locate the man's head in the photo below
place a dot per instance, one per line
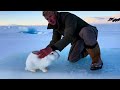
(50, 16)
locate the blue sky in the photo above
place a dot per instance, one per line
(36, 18)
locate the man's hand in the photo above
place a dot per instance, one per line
(44, 52)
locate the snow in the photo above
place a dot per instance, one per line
(15, 45)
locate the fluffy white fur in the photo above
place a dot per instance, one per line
(33, 62)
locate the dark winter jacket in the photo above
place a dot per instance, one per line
(66, 30)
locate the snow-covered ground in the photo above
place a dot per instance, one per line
(16, 42)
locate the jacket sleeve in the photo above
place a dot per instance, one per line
(55, 37)
(70, 27)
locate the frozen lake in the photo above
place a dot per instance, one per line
(15, 45)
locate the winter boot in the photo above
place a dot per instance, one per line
(96, 58)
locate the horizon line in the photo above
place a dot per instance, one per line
(20, 25)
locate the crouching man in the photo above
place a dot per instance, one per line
(81, 35)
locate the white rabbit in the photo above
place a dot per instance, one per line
(33, 62)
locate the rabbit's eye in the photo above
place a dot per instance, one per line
(51, 53)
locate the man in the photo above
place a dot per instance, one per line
(81, 35)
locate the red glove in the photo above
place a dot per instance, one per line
(44, 52)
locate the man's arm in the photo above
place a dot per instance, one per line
(55, 37)
(44, 52)
(69, 32)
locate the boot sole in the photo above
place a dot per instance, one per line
(96, 68)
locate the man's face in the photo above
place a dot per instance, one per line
(51, 18)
